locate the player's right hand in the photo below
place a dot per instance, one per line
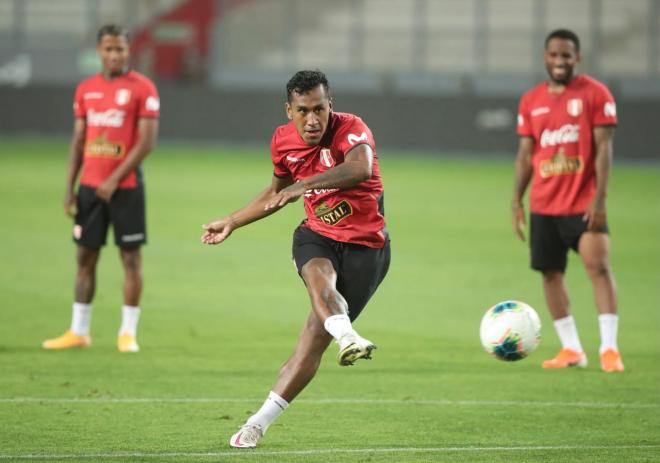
(70, 204)
(518, 219)
(218, 231)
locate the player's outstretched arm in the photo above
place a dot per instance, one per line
(356, 168)
(75, 162)
(217, 231)
(523, 174)
(596, 216)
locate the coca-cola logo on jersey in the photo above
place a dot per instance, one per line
(109, 118)
(569, 133)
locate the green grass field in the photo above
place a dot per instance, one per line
(218, 322)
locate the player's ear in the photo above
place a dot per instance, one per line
(330, 103)
(288, 110)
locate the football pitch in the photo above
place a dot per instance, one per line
(217, 323)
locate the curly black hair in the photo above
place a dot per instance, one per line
(566, 35)
(304, 81)
(112, 29)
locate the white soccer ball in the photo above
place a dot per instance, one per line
(510, 330)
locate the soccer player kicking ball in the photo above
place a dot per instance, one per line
(116, 124)
(341, 250)
(566, 126)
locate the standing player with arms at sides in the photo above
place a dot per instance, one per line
(116, 124)
(566, 126)
(341, 250)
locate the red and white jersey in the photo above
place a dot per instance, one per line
(352, 215)
(564, 178)
(111, 109)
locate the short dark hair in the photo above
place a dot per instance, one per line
(112, 29)
(566, 35)
(304, 81)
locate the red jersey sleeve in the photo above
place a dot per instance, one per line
(279, 169)
(149, 100)
(524, 127)
(78, 103)
(603, 109)
(354, 133)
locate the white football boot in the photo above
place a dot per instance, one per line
(247, 437)
(353, 347)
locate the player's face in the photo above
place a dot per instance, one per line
(114, 53)
(560, 60)
(310, 113)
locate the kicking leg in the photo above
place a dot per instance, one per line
(330, 307)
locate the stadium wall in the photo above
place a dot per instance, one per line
(409, 122)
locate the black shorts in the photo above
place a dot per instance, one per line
(552, 236)
(360, 269)
(125, 211)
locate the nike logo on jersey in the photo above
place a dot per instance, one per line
(294, 159)
(353, 139)
(92, 96)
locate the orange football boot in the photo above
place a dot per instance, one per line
(566, 358)
(67, 341)
(610, 361)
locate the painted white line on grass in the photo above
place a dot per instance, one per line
(335, 451)
(220, 400)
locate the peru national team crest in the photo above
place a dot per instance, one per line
(122, 96)
(574, 107)
(326, 158)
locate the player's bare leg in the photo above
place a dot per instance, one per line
(84, 287)
(556, 297)
(594, 249)
(301, 367)
(332, 309)
(293, 377)
(132, 262)
(320, 278)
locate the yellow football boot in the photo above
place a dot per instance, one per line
(127, 343)
(68, 340)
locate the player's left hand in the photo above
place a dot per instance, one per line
(286, 195)
(106, 189)
(596, 216)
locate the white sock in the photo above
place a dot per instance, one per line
(129, 320)
(609, 324)
(568, 334)
(338, 326)
(271, 409)
(81, 318)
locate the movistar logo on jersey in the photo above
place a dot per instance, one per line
(560, 164)
(569, 133)
(335, 214)
(353, 139)
(109, 118)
